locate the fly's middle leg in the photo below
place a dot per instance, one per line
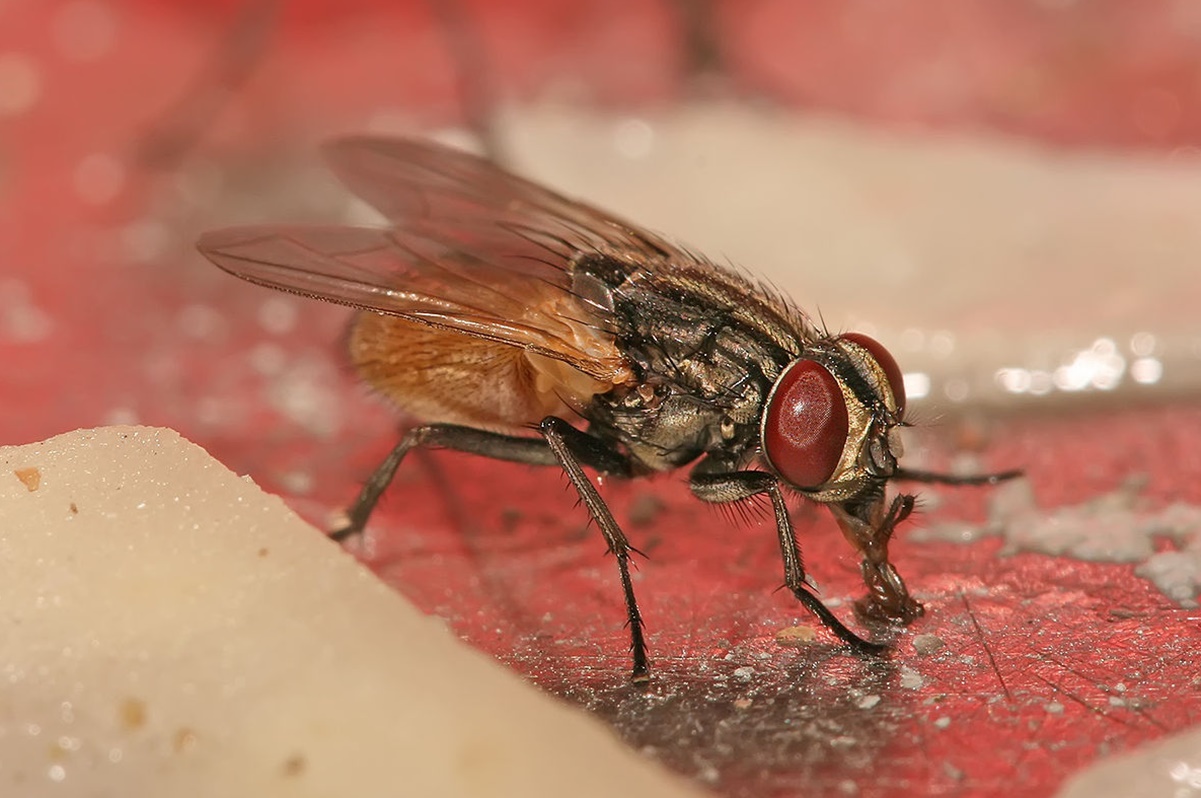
(571, 446)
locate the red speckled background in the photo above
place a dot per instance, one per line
(126, 127)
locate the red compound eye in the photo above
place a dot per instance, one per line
(896, 381)
(805, 426)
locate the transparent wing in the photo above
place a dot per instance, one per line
(473, 249)
(421, 185)
(401, 274)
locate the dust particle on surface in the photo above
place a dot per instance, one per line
(1177, 574)
(294, 765)
(30, 477)
(796, 635)
(185, 740)
(911, 679)
(867, 701)
(263, 552)
(58, 751)
(133, 714)
(74, 509)
(927, 644)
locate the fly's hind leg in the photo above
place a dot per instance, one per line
(533, 451)
(561, 444)
(571, 447)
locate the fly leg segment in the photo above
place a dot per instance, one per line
(740, 485)
(561, 444)
(532, 451)
(571, 447)
(869, 529)
(952, 479)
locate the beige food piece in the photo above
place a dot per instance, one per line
(169, 629)
(1168, 768)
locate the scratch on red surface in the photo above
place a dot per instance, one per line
(987, 650)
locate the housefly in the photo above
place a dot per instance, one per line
(521, 325)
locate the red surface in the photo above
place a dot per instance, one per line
(1022, 633)
(106, 315)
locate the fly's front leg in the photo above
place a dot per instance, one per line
(933, 477)
(869, 529)
(571, 446)
(532, 451)
(740, 485)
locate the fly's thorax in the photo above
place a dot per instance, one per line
(696, 396)
(659, 428)
(706, 399)
(829, 422)
(709, 343)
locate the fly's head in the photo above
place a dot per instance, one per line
(829, 423)
(829, 429)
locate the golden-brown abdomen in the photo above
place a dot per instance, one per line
(447, 377)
